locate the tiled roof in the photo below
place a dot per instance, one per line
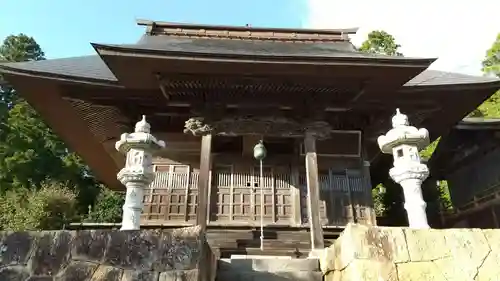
(92, 67)
(281, 49)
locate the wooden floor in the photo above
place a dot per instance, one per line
(233, 240)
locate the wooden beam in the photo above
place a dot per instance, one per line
(204, 182)
(312, 178)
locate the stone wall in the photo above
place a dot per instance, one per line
(364, 253)
(98, 255)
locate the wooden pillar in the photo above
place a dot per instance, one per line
(295, 185)
(204, 182)
(312, 178)
(494, 215)
(371, 217)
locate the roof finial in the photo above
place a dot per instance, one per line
(142, 126)
(399, 119)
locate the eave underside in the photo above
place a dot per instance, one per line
(107, 109)
(466, 142)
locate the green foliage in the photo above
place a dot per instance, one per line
(381, 42)
(30, 153)
(491, 64)
(378, 200)
(426, 153)
(49, 208)
(21, 48)
(107, 208)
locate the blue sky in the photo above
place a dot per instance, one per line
(65, 28)
(457, 36)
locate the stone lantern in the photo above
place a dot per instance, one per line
(404, 142)
(138, 171)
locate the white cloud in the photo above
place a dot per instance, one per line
(458, 33)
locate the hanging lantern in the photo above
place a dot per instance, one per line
(259, 151)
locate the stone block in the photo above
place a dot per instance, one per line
(107, 273)
(90, 245)
(489, 270)
(493, 238)
(469, 248)
(426, 244)
(139, 275)
(131, 249)
(51, 253)
(104, 255)
(334, 275)
(380, 253)
(179, 275)
(419, 271)
(77, 271)
(179, 250)
(14, 273)
(365, 242)
(370, 270)
(15, 247)
(40, 278)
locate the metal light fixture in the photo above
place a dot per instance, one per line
(259, 153)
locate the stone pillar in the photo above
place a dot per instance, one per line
(138, 171)
(404, 142)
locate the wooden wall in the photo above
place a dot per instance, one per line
(345, 189)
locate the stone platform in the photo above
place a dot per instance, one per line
(365, 253)
(106, 255)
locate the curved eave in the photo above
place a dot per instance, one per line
(347, 60)
(492, 85)
(12, 70)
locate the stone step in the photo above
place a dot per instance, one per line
(269, 276)
(268, 264)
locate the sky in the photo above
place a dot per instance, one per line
(458, 33)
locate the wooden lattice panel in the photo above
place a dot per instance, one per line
(235, 196)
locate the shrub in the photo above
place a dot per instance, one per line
(49, 208)
(107, 207)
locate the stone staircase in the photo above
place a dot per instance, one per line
(268, 268)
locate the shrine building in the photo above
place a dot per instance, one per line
(467, 158)
(213, 92)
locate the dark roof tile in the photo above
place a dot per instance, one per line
(87, 67)
(247, 47)
(92, 67)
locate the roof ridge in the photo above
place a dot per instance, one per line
(245, 32)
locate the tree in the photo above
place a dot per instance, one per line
(17, 48)
(380, 42)
(491, 63)
(388, 197)
(491, 66)
(30, 153)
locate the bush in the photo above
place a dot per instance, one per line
(107, 207)
(49, 208)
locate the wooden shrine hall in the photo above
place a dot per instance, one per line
(467, 158)
(213, 92)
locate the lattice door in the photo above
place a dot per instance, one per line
(236, 195)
